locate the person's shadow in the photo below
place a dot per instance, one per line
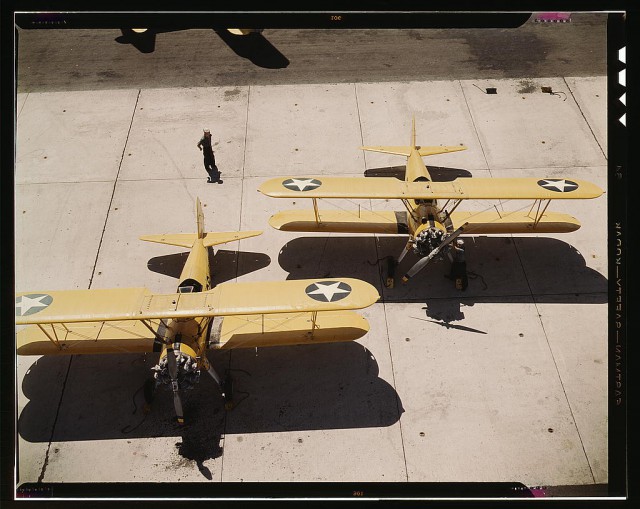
(214, 176)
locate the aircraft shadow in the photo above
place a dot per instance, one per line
(255, 48)
(295, 388)
(224, 265)
(144, 42)
(438, 173)
(501, 269)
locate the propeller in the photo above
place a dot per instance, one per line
(422, 262)
(173, 372)
(406, 249)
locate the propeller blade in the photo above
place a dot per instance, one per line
(173, 372)
(418, 266)
(214, 375)
(422, 263)
(177, 403)
(404, 252)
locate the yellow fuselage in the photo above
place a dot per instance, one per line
(424, 213)
(191, 333)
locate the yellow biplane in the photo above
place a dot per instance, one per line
(431, 225)
(183, 326)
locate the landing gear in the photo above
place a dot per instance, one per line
(391, 272)
(459, 275)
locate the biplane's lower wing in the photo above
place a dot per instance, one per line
(124, 336)
(458, 189)
(284, 329)
(395, 223)
(124, 319)
(236, 331)
(341, 221)
(490, 222)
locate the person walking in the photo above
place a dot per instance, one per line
(204, 145)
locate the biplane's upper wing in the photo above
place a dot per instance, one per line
(124, 319)
(458, 189)
(306, 295)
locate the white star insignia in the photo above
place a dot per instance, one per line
(301, 184)
(329, 290)
(26, 303)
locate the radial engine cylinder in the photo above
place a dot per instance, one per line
(188, 370)
(427, 240)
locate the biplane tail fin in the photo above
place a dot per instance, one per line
(200, 219)
(208, 238)
(422, 150)
(412, 142)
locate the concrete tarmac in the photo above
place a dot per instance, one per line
(504, 382)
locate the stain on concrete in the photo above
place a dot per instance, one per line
(231, 94)
(110, 74)
(526, 86)
(519, 51)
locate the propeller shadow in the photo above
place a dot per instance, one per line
(296, 388)
(225, 265)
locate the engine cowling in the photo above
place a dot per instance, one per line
(427, 239)
(187, 363)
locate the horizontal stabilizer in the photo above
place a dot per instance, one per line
(249, 331)
(400, 151)
(432, 151)
(406, 150)
(210, 239)
(341, 221)
(213, 239)
(491, 222)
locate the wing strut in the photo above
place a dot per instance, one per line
(539, 214)
(449, 212)
(55, 341)
(315, 210)
(409, 210)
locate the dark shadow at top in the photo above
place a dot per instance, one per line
(255, 48)
(144, 42)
